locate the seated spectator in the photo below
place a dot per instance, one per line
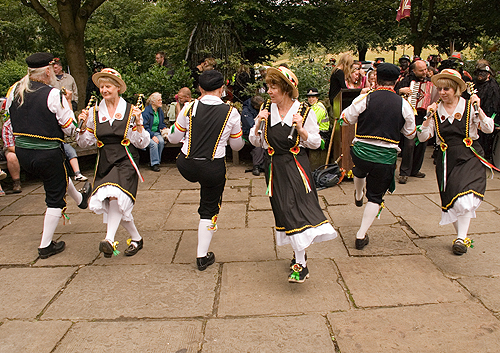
(250, 110)
(73, 161)
(154, 124)
(183, 97)
(9, 149)
(372, 79)
(3, 175)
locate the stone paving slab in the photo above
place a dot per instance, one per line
(20, 240)
(384, 240)
(397, 280)
(259, 203)
(262, 288)
(6, 220)
(26, 205)
(81, 249)
(482, 260)
(426, 185)
(259, 187)
(350, 215)
(7, 200)
(87, 222)
(136, 291)
(172, 180)
(339, 195)
(486, 289)
(420, 213)
(236, 194)
(240, 182)
(257, 219)
(26, 336)
(493, 197)
(136, 336)
(26, 291)
(185, 216)
(458, 328)
(492, 184)
(304, 333)
(230, 245)
(331, 249)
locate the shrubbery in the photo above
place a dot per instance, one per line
(11, 71)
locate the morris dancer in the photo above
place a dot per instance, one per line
(381, 116)
(116, 127)
(40, 118)
(297, 213)
(459, 166)
(207, 125)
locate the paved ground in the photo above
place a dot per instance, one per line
(405, 292)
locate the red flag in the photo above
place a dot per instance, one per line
(404, 10)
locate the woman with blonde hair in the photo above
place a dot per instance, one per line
(460, 165)
(339, 74)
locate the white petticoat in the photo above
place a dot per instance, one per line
(99, 202)
(465, 205)
(302, 240)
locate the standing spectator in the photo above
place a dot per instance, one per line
(10, 154)
(339, 74)
(207, 127)
(489, 93)
(154, 124)
(412, 155)
(195, 74)
(356, 79)
(249, 111)
(40, 119)
(381, 117)
(183, 97)
(404, 65)
(67, 81)
(241, 81)
(162, 61)
(321, 115)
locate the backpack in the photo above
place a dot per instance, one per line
(328, 175)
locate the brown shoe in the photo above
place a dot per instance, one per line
(16, 189)
(403, 179)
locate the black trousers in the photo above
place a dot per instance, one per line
(412, 156)
(212, 177)
(48, 165)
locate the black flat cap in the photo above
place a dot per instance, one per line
(39, 60)
(387, 72)
(211, 80)
(313, 92)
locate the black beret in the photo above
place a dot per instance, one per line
(387, 72)
(211, 80)
(39, 60)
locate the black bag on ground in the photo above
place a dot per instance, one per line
(327, 175)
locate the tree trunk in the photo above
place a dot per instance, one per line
(75, 54)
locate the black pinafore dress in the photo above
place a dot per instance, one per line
(113, 162)
(464, 171)
(292, 192)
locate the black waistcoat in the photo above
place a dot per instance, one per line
(383, 118)
(205, 129)
(34, 118)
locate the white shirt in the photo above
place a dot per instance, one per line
(358, 106)
(311, 125)
(232, 131)
(486, 126)
(138, 139)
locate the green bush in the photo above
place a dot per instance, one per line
(11, 71)
(311, 74)
(156, 79)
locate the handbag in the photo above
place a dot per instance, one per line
(328, 175)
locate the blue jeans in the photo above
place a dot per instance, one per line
(155, 149)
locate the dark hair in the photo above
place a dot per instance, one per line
(381, 82)
(162, 53)
(273, 78)
(256, 101)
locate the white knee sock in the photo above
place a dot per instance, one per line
(50, 223)
(359, 185)
(462, 226)
(204, 237)
(300, 257)
(114, 219)
(131, 229)
(371, 210)
(73, 193)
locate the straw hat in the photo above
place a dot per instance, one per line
(110, 73)
(288, 76)
(452, 75)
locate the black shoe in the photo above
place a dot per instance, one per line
(106, 248)
(298, 274)
(52, 249)
(204, 262)
(86, 191)
(403, 179)
(155, 168)
(419, 175)
(134, 247)
(358, 203)
(293, 260)
(459, 248)
(361, 243)
(256, 170)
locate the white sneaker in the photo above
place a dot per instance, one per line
(80, 177)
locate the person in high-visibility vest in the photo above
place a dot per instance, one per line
(321, 115)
